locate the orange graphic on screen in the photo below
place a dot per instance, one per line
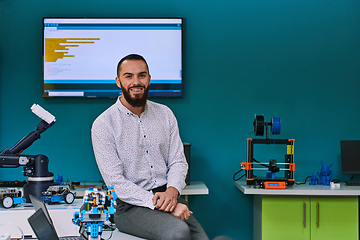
(52, 45)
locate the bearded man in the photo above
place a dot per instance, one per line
(138, 150)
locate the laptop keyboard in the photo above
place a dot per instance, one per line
(70, 238)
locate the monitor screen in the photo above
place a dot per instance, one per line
(80, 55)
(350, 156)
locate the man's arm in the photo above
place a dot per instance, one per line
(177, 170)
(177, 165)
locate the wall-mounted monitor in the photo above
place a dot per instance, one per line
(350, 156)
(80, 55)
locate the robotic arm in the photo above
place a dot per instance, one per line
(25, 142)
(35, 166)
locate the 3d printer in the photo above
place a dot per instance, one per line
(269, 181)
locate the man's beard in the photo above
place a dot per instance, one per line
(139, 100)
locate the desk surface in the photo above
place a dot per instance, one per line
(195, 188)
(76, 205)
(303, 190)
(62, 213)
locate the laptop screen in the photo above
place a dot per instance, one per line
(41, 226)
(38, 204)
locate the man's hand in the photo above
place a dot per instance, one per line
(166, 201)
(182, 211)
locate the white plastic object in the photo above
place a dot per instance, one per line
(334, 185)
(42, 113)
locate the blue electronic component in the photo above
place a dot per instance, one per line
(94, 212)
(11, 197)
(58, 193)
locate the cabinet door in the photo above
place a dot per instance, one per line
(334, 218)
(285, 218)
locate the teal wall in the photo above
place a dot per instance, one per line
(297, 59)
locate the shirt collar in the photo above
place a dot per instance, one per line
(123, 109)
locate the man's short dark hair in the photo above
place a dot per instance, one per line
(131, 57)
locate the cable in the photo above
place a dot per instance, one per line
(298, 183)
(22, 234)
(110, 235)
(245, 173)
(111, 228)
(239, 177)
(334, 181)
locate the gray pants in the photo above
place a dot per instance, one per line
(156, 225)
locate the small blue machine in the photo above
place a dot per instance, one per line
(58, 193)
(94, 212)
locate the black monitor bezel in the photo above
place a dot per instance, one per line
(180, 95)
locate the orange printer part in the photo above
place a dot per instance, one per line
(247, 165)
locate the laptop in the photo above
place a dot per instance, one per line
(37, 203)
(42, 224)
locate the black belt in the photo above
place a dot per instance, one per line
(159, 189)
(154, 190)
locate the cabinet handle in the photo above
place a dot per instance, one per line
(317, 214)
(304, 219)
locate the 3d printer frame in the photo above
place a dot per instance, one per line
(289, 165)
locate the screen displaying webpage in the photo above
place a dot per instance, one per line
(81, 55)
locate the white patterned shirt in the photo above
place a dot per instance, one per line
(137, 154)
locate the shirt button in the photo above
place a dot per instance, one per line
(144, 136)
(147, 151)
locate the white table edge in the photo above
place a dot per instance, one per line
(302, 190)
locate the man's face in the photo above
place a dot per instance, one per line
(134, 81)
